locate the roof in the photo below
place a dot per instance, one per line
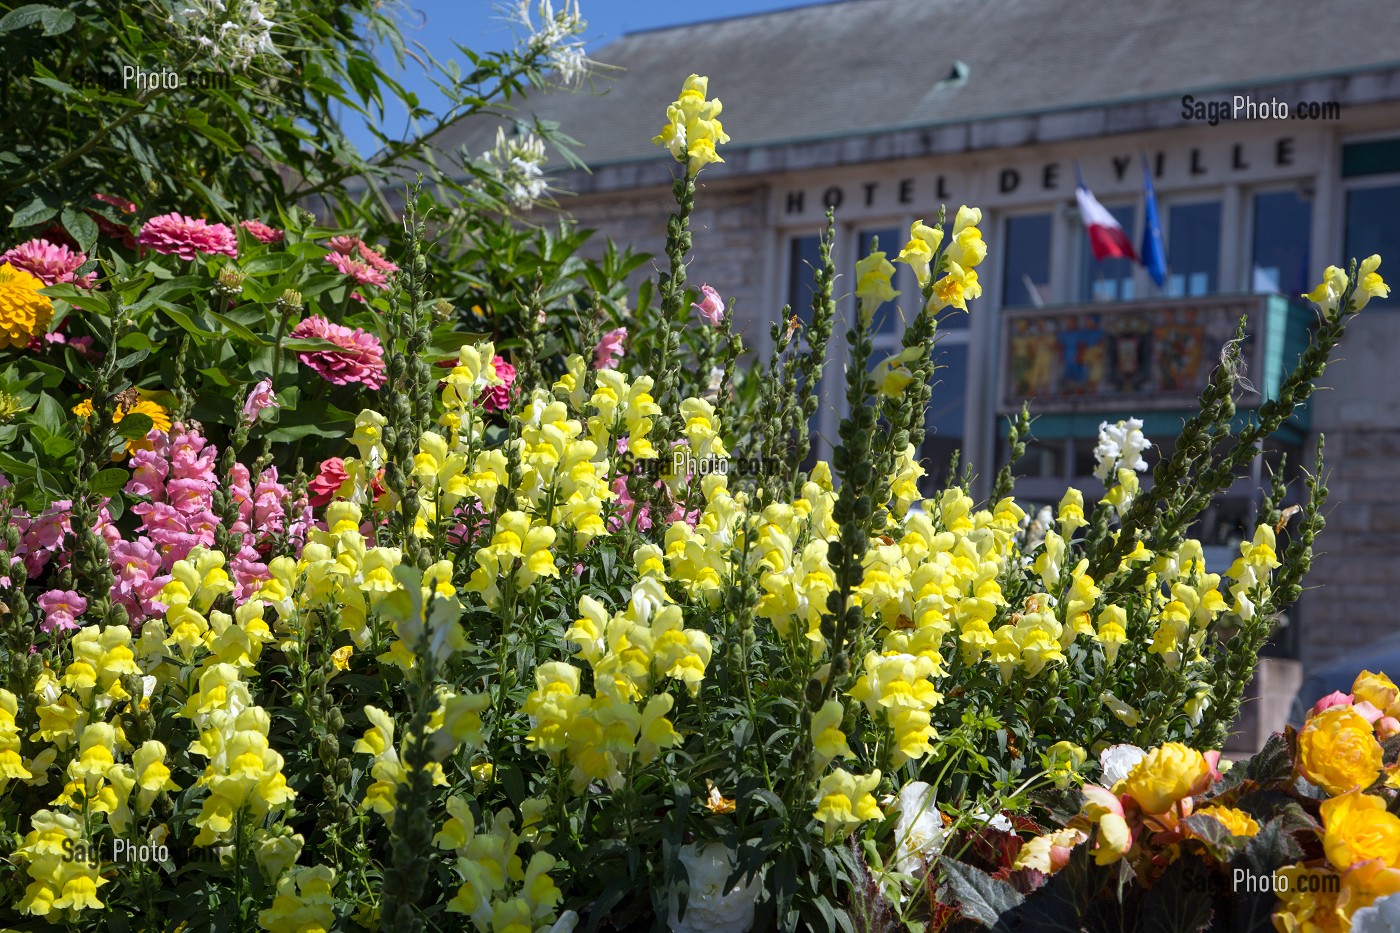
(859, 67)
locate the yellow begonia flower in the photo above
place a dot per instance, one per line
(1357, 828)
(1338, 751)
(1165, 776)
(1236, 822)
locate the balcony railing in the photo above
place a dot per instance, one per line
(1144, 356)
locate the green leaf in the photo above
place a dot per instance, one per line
(181, 317)
(135, 426)
(81, 226)
(35, 212)
(978, 894)
(108, 482)
(57, 22)
(239, 330)
(27, 15)
(1179, 901)
(48, 413)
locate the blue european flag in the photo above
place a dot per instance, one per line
(1153, 254)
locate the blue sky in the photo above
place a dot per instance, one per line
(441, 24)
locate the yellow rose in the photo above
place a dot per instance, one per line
(1378, 690)
(1238, 822)
(1165, 776)
(1358, 828)
(1338, 751)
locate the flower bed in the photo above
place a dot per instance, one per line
(516, 654)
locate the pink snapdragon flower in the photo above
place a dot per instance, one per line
(497, 397)
(259, 400)
(710, 306)
(360, 359)
(50, 263)
(609, 349)
(262, 232)
(188, 237)
(61, 610)
(324, 485)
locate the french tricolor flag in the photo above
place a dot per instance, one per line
(1106, 236)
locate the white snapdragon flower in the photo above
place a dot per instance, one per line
(709, 908)
(556, 38)
(1120, 446)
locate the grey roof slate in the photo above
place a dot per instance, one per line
(862, 66)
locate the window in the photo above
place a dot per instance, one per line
(944, 422)
(1373, 226)
(1112, 279)
(804, 257)
(1027, 277)
(1193, 249)
(1282, 231)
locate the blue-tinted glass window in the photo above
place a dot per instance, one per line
(1282, 234)
(1027, 277)
(1193, 249)
(1373, 226)
(945, 420)
(804, 256)
(1112, 279)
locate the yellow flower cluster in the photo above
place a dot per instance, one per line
(694, 132)
(958, 261)
(497, 893)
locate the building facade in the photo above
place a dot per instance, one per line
(842, 105)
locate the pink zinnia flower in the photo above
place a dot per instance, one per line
(345, 245)
(61, 610)
(361, 272)
(351, 246)
(605, 355)
(376, 259)
(50, 263)
(710, 306)
(497, 398)
(262, 397)
(262, 232)
(325, 484)
(360, 359)
(187, 237)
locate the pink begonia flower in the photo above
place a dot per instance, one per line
(1335, 698)
(261, 398)
(50, 263)
(360, 359)
(1387, 726)
(327, 482)
(497, 397)
(1368, 711)
(262, 232)
(360, 271)
(61, 610)
(186, 237)
(710, 306)
(609, 349)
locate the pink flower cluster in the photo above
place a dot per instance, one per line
(352, 246)
(50, 263)
(175, 481)
(359, 359)
(262, 232)
(187, 237)
(361, 272)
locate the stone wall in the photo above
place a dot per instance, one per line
(1353, 592)
(730, 230)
